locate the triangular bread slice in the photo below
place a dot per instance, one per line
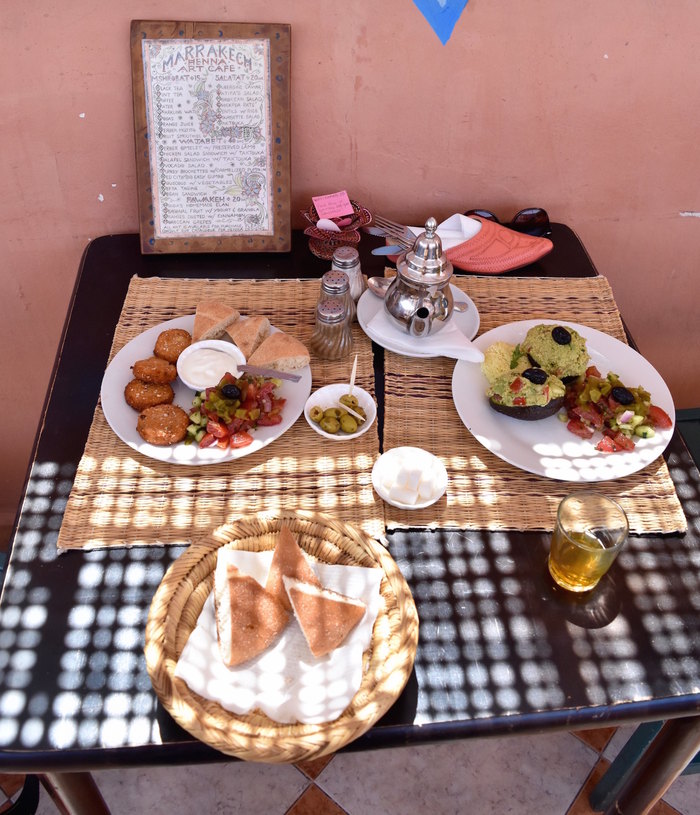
(282, 352)
(248, 618)
(325, 617)
(288, 561)
(211, 319)
(249, 333)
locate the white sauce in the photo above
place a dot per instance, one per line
(205, 367)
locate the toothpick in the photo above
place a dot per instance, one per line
(352, 376)
(350, 411)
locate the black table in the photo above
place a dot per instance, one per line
(501, 650)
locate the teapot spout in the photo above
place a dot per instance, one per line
(421, 322)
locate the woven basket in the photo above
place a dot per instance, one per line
(254, 736)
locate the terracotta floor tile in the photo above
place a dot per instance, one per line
(10, 783)
(315, 767)
(581, 805)
(313, 801)
(597, 738)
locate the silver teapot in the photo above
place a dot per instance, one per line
(419, 299)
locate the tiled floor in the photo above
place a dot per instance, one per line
(544, 774)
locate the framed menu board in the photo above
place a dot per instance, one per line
(212, 130)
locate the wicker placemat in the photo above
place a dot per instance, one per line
(254, 736)
(484, 491)
(122, 498)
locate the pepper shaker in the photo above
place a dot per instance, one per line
(347, 259)
(332, 336)
(336, 284)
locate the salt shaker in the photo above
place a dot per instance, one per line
(347, 259)
(332, 336)
(336, 284)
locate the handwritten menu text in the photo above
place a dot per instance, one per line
(208, 114)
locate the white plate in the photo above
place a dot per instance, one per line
(122, 418)
(546, 447)
(327, 397)
(369, 304)
(387, 464)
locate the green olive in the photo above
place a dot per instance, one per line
(332, 413)
(349, 400)
(348, 424)
(316, 413)
(330, 424)
(359, 409)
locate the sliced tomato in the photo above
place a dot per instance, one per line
(217, 429)
(589, 413)
(249, 403)
(227, 379)
(578, 428)
(241, 439)
(519, 401)
(659, 418)
(268, 419)
(622, 442)
(593, 371)
(516, 385)
(222, 443)
(208, 439)
(605, 445)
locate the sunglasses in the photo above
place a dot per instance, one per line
(532, 221)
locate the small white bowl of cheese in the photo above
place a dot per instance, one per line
(409, 477)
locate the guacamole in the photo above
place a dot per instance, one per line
(558, 349)
(516, 390)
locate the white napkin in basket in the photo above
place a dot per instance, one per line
(286, 682)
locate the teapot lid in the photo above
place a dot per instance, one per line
(425, 263)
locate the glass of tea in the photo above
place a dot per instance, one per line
(589, 533)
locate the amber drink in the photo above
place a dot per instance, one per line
(589, 533)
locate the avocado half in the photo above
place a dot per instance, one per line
(529, 413)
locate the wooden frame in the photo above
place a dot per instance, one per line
(212, 133)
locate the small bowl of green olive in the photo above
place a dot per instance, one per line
(338, 415)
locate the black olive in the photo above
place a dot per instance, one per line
(536, 375)
(561, 336)
(231, 391)
(622, 395)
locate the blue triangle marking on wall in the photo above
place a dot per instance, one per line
(442, 15)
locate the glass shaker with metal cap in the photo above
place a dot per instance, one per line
(347, 259)
(336, 284)
(332, 336)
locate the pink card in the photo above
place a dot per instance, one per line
(334, 205)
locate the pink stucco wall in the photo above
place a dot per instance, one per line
(588, 109)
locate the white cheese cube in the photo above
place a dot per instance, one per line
(402, 495)
(388, 479)
(428, 486)
(412, 476)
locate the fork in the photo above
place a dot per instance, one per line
(399, 233)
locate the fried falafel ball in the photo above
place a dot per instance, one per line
(155, 370)
(140, 395)
(171, 343)
(162, 424)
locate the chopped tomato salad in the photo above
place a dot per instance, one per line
(224, 415)
(596, 403)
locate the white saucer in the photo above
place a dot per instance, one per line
(369, 304)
